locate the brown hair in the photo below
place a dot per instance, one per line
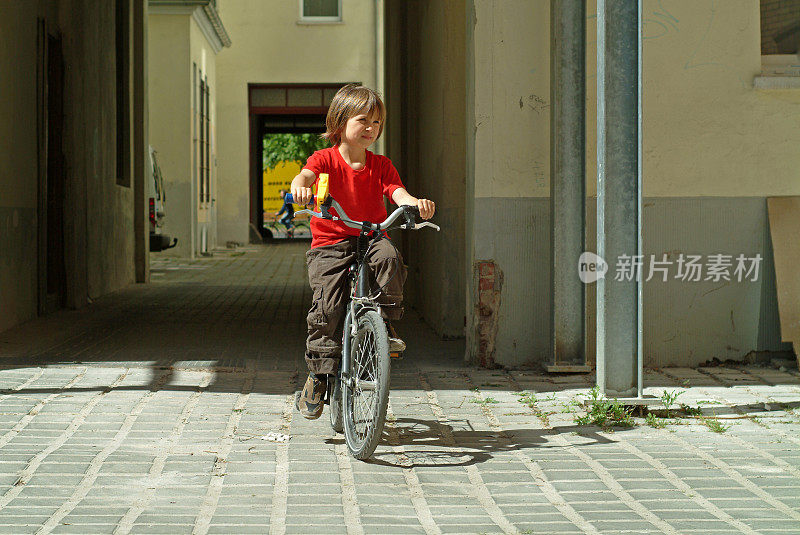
(348, 102)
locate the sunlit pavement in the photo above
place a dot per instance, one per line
(149, 412)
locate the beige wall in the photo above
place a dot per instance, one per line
(170, 75)
(512, 94)
(202, 54)
(109, 205)
(426, 139)
(706, 130)
(707, 134)
(269, 46)
(97, 226)
(18, 174)
(177, 44)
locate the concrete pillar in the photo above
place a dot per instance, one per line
(567, 181)
(619, 331)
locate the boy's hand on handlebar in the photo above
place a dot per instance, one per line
(426, 208)
(302, 195)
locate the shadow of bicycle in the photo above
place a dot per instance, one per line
(415, 443)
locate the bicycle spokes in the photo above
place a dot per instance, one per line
(365, 379)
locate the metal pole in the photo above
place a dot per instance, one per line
(619, 197)
(567, 182)
(640, 281)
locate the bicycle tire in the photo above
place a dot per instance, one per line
(335, 406)
(365, 397)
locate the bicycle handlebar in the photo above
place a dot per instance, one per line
(290, 199)
(413, 220)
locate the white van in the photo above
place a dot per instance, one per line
(157, 199)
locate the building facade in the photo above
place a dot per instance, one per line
(467, 85)
(72, 218)
(186, 38)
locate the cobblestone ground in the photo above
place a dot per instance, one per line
(147, 412)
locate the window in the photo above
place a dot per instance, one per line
(780, 45)
(273, 98)
(207, 146)
(780, 27)
(122, 21)
(321, 10)
(204, 142)
(201, 146)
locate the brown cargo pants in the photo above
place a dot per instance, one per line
(327, 274)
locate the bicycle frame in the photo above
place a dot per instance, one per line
(359, 296)
(358, 302)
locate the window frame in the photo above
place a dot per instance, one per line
(320, 20)
(123, 59)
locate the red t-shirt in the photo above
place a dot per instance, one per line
(360, 193)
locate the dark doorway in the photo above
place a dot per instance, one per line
(52, 176)
(280, 109)
(280, 124)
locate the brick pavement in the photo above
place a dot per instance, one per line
(145, 414)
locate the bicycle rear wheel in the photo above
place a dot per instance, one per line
(366, 394)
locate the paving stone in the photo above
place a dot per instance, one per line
(332, 529)
(175, 529)
(237, 319)
(86, 529)
(228, 529)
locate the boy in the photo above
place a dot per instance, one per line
(358, 181)
(289, 209)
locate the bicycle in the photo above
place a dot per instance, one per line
(275, 229)
(359, 396)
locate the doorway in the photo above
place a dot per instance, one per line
(52, 175)
(280, 109)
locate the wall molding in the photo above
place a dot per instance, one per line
(203, 13)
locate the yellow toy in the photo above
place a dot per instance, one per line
(322, 189)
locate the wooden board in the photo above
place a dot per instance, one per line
(784, 225)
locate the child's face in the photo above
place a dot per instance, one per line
(362, 129)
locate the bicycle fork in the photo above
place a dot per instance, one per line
(354, 308)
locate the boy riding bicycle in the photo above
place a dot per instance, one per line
(358, 180)
(288, 209)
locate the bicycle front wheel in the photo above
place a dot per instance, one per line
(335, 406)
(366, 393)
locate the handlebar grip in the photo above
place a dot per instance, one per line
(290, 198)
(413, 211)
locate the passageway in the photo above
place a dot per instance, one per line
(241, 308)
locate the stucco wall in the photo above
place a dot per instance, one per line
(707, 133)
(18, 174)
(508, 181)
(427, 70)
(202, 54)
(170, 77)
(90, 103)
(270, 46)
(98, 213)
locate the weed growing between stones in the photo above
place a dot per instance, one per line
(604, 413)
(715, 425)
(669, 398)
(530, 400)
(654, 421)
(484, 401)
